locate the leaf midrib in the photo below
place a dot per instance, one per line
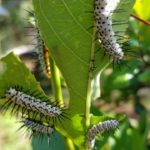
(58, 37)
(77, 22)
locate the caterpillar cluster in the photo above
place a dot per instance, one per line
(32, 105)
(37, 128)
(98, 129)
(43, 54)
(103, 17)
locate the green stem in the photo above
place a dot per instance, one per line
(88, 100)
(56, 85)
(69, 144)
(91, 65)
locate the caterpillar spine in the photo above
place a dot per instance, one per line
(98, 129)
(37, 128)
(43, 54)
(33, 104)
(103, 18)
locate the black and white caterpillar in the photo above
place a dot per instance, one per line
(41, 49)
(37, 128)
(98, 129)
(103, 16)
(31, 104)
(43, 54)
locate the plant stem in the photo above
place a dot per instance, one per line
(91, 65)
(88, 100)
(140, 19)
(56, 85)
(69, 144)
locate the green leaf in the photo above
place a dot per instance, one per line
(97, 119)
(64, 29)
(53, 143)
(145, 77)
(13, 72)
(122, 14)
(64, 26)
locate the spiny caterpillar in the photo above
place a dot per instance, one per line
(103, 17)
(42, 50)
(43, 54)
(37, 128)
(98, 129)
(32, 105)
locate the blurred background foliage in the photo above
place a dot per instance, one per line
(122, 92)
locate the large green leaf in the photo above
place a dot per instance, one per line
(64, 27)
(13, 72)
